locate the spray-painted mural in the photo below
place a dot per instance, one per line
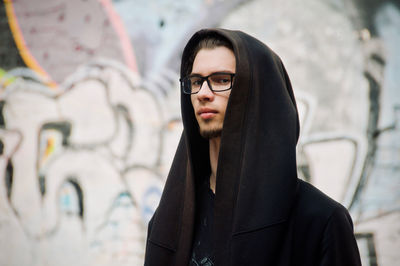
(90, 116)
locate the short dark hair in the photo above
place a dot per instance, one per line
(210, 41)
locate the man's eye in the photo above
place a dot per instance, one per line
(221, 80)
(196, 82)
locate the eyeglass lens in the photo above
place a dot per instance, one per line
(216, 82)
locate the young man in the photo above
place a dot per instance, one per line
(232, 196)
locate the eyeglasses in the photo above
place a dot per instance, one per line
(218, 81)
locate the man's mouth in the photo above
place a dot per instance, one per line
(207, 113)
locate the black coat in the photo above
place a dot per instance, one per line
(263, 214)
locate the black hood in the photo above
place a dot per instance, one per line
(256, 176)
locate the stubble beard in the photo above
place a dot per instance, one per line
(209, 128)
(211, 133)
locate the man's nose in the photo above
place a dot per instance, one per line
(205, 93)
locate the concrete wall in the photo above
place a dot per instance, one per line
(90, 116)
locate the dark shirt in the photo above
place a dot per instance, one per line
(202, 245)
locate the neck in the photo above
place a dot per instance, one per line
(214, 152)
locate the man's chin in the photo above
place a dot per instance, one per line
(211, 133)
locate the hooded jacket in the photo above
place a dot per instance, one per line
(263, 214)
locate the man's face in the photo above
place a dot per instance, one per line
(209, 107)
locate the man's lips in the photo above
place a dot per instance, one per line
(207, 113)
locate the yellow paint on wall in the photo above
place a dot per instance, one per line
(5, 79)
(28, 58)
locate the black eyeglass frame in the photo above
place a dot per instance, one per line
(187, 78)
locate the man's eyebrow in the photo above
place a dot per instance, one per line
(219, 71)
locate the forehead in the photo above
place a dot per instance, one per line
(218, 59)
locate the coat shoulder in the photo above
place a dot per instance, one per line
(313, 206)
(326, 226)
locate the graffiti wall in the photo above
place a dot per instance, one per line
(90, 116)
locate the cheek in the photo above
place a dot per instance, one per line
(226, 99)
(192, 100)
(225, 105)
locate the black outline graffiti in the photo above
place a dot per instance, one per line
(369, 237)
(63, 127)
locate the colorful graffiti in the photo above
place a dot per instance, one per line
(90, 116)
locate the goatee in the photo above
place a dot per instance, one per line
(211, 133)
